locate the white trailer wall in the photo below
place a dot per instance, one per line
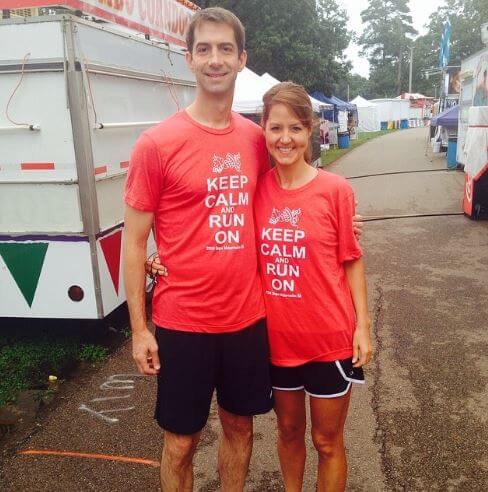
(92, 91)
(29, 158)
(468, 83)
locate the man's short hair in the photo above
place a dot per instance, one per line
(220, 16)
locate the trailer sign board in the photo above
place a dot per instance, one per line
(164, 19)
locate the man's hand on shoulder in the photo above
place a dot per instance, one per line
(145, 352)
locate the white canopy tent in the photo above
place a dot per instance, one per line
(368, 117)
(317, 105)
(418, 111)
(249, 91)
(392, 109)
(269, 79)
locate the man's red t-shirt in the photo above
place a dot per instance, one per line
(200, 183)
(304, 236)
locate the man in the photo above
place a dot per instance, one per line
(194, 177)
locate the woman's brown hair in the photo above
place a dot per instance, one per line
(295, 97)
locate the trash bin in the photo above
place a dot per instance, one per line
(451, 153)
(384, 125)
(343, 140)
(403, 124)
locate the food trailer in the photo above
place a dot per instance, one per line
(472, 149)
(74, 97)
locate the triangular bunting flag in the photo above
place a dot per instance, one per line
(24, 262)
(111, 250)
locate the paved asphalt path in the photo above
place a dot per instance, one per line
(420, 423)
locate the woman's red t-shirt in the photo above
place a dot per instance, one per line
(304, 236)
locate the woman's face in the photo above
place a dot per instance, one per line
(286, 137)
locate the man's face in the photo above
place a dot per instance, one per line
(215, 59)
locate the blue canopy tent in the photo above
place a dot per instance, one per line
(343, 104)
(338, 104)
(448, 118)
(329, 114)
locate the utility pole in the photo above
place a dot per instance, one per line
(410, 73)
(347, 92)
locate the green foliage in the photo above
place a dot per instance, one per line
(299, 40)
(357, 86)
(303, 40)
(92, 353)
(466, 17)
(29, 356)
(386, 40)
(330, 156)
(27, 364)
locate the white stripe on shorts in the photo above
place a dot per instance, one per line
(343, 374)
(331, 396)
(288, 389)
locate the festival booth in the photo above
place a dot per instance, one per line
(475, 202)
(368, 119)
(472, 149)
(342, 118)
(352, 119)
(393, 113)
(474, 92)
(420, 108)
(447, 132)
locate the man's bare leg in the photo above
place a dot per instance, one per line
(177, 462)
(234, 451)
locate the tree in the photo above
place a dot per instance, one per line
(466, 17)
(357, 85)
(299, 40)
(385, 41)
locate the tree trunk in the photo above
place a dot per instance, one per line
(399, 75)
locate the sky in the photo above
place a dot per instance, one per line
(420, 9)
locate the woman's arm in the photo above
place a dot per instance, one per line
(356, 277)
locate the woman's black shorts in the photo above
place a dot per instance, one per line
(319, 379)
(194, 364)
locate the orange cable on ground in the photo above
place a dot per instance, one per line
(75, 454)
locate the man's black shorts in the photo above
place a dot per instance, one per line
(194, 364)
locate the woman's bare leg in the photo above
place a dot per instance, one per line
(328, 419)
(290, 410)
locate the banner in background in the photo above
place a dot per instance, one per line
(164, 19)
(480, 78)
(454, 81)
(445, 45)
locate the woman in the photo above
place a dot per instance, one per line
(314, 289)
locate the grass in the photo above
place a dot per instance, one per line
(27, 362)
(331, 155)
(32, 350)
